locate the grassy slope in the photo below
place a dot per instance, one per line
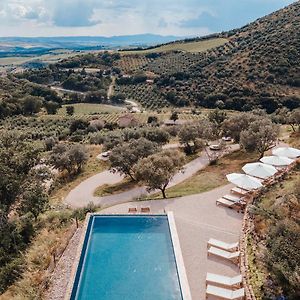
(89, 108)
(275, 200)
(92, 167)
(194, 47)
(211, 177)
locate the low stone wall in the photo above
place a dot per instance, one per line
(248, 229)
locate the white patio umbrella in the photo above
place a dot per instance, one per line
(277, 161)
(287, 152)
(244, 181)
(260, 170)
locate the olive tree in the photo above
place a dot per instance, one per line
(234, 125)
(294, 119)
(157, 170)
(34, 199)
(70, 158)
(124, 156)
(194, 136)
(260, 136)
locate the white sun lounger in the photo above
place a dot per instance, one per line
(233, 198)
(225, 202)
(232, 256)
(231, 204)
(239, 191)
(225, 293)
(224, 280)
(222, 245)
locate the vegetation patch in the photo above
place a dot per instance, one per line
(211, 177)
(113, 189)
(90, 109)
(92, 167)
(274, 264)
(194, 47)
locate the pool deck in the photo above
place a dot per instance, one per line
(197, 220)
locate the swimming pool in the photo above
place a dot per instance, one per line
(129, 257)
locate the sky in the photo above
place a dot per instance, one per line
(123, 17)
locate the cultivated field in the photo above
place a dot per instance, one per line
(53, 57)
(193, 47)
(90, 109)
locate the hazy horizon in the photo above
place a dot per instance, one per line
(41, 18)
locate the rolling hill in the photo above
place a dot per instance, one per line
(258, 66)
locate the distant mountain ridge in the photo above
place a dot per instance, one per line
(27, 44)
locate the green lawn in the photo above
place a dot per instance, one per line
(89, 108)
(113, 189)
(194, 47)
(211, 177)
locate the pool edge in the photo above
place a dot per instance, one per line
(77, 257)
(183, 281)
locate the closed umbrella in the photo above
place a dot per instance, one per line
(277, 161)
(287, 152)
(244, 181)
(259, 170)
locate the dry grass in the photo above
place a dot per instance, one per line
(92, 167)
(55, 230)
(294, 140)
(211, 177)
(113, 189)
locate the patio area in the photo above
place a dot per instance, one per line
(197, 219)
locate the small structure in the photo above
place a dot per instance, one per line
(128, 120)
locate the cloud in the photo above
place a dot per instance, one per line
(118, 17)
(204, 19)
(74, 14)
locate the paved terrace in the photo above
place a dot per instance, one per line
(197, 219)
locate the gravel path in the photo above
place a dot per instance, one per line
(83, 194)
(61, 275)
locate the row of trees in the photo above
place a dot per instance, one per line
(116, 137)
(21, 192)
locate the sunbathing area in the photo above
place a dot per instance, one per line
(211, 227)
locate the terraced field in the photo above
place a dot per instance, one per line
(146, 94)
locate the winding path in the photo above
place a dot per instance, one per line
(83, 194)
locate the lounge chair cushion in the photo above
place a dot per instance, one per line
(225, 293)
(222, 245)
(224, 280)
(223, 253)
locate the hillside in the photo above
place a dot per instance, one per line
(194, 46)
(257, 67)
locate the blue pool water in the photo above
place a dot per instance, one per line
(127, 258)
